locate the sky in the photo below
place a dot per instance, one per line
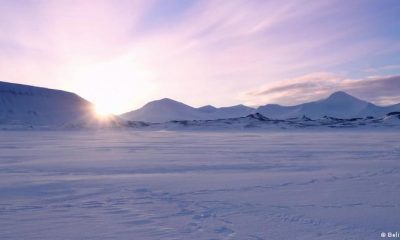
(121, 54)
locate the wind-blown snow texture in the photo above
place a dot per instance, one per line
(181, 185)
(258, 122)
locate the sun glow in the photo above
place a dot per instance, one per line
(115, 85)
(102, 111)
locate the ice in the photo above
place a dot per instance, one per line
(121, 184)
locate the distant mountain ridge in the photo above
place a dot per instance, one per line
(338, 105)
(166, 109)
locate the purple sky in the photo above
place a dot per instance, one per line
(121, 54)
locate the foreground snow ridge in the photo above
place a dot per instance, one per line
(258, 121)
(251, 122)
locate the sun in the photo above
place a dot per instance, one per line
(114, 85)
(102, 111)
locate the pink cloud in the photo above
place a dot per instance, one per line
(383, 90)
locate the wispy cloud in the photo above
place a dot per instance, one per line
(383, 90)
(382, 68)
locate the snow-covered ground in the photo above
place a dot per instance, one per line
(184, 185)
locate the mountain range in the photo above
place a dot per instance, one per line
(166, 109)
(28, 105)
(338, 105)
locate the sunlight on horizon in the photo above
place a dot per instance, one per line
(102, 112)
(114, 86)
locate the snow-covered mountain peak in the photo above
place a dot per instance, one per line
(342, 97)
(340, 94)
(166, 109)
(338, 105)
(165, 102)
(207, 108)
